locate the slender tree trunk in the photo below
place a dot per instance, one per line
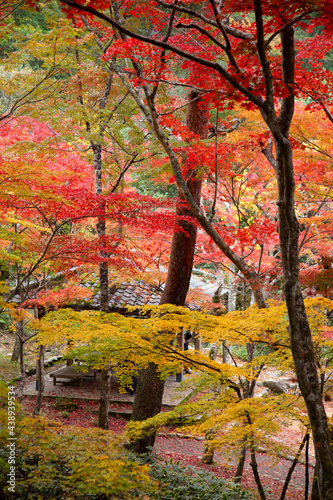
(40, 379)
(208, 454)
(149, 393)
(293, 465)
(104, 402)
(19, 334)
(16, 350)
(240, 466)
(254, 466)
(231, 307)
(103, 413)
(22, 372)
(299, 329)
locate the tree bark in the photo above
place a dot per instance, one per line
(40, 380)
(16, 350)
(147, 403)
(208, 453)
(299, 329)
(240, 466)
(293, 465)
(231, 307)
(104, 402)
(19, 333)
(254, 466)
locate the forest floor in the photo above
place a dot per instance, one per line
(188, 451)
(185, 449)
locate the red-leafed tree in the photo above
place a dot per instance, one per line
(48, 240)
(243, 52)
(179, 268)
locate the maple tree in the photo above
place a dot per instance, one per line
(179, 270)
(73, 103)
(37, 208)
(220, 393)
(267, 46)
(269, 86)
(82, 456)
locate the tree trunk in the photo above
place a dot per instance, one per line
(299, 329)
(103, 413)
(254, 466)
(40, 379)
(149, 393)
(104, 402)
(208, 454)
(240, 466)
(147, 403)
(292, 467)
(19, 334)
(16, 350)
(231, 307)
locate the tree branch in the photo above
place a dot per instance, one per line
(257, 100)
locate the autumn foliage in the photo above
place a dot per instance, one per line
(94, 132)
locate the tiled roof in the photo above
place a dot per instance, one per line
(135, 294)
(138, 293)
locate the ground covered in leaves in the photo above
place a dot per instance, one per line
(186, 451)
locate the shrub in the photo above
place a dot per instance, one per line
(187, 483)
(57, 461)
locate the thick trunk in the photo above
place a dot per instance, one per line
(149, 394)
(208, 453)
(240, 466)
(182, 251)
